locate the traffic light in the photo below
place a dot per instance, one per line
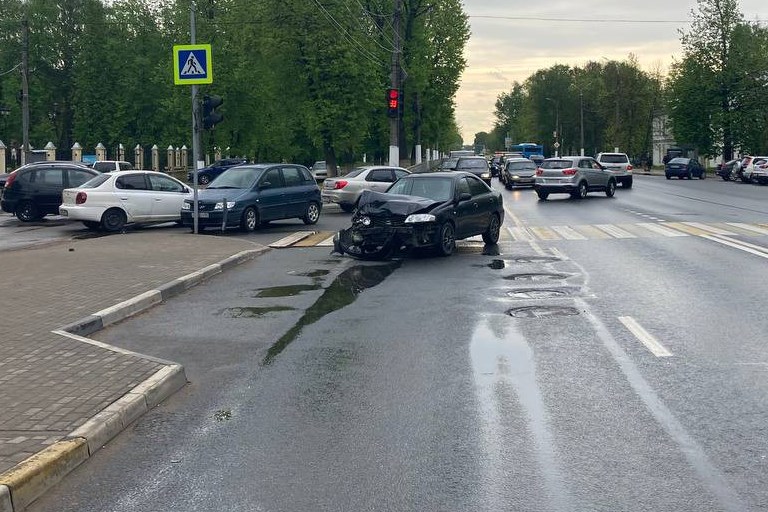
(393, 102)
(210, 117)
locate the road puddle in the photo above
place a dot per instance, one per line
(340, 293)
(252, 312)
(286, 291)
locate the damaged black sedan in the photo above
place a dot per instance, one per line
(422, 210)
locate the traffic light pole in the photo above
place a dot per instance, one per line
(195, 130)
(394, 122)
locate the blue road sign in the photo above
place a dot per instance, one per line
(192, 64)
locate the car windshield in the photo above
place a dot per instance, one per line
(520, 165)
(355, 172)
(472, 163)
(95, 181)
(319, 166)
(556, 164)
(679, 161)
(437, 189)
(237, 177)
(614, 159)
(450, 163)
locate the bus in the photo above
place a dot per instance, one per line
(527, 149)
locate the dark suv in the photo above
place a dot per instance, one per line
(33, 191)
(208, 174)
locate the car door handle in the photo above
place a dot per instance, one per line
(123, 198)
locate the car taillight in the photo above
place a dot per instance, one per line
(340, 184)
(539, 171)
(569, 172)
(629, 167)
(80, 197)
(10, 180)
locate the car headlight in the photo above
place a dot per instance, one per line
(515, 177)
(485, 175)
(365, 221)
(186, 206)
(220, 206)
(420, 217)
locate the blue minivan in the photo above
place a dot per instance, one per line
(256, 193)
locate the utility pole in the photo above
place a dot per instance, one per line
(196, 163)
(394, 122)
(581, 120)
(24, 89)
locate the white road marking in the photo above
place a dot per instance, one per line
(645, 337)
(708, 228)
(757, 250)
(749, 227)
(568, 233)
(615, 231)
(328, 242)
(650, 226)
(291, 239)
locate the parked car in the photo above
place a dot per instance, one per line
(205, 175)
(114, 199)
(518, 172)
(574, 175)
(726, 170)
(319, 170)
(448, 164)
(756, 171)
(423, 210)
(33, 191)
(346, 191)
(250, 194)
(684, 168)
(111, 165)
(618, 164)
(477, 165)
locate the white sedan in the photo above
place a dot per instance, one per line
(110, 201)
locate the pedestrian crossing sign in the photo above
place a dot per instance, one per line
(192, 64)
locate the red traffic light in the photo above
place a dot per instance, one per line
(393, 102)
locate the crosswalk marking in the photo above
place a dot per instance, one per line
(563, 232)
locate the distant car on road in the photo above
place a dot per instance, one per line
(256, 193)
(33, 191)
(618, 164)
(207, 174)
(114, 199)
(518, 172)
(319, 170)
(477, 165)
(682, 168)
(111, 165)
(574, 175)
(448, 164)
(345, 191)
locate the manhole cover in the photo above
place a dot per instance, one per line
(536, 277)
(538, 293)
(535, 259)
(542, 311)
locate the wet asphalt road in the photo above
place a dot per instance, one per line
(320, 383)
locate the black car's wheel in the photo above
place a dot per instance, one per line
(610, 189)
(27, 212)
(113, 220)
(349, 208)
(726, 177)
(92, 225)
(447, 242)
(542, 195)
(491, 235)
(703, 175)
(250, 219)
(689, 175)
(313, 213)
(509, 185)
(746, 179)
(204, 179)
(669, 177)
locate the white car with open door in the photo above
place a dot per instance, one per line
(112, 200)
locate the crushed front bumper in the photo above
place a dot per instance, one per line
(382, 241)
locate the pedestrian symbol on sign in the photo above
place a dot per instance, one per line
(192, 66)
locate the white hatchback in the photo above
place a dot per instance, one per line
(112, 200)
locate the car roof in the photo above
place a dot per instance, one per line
(519, 159)
(438, 174)
(371, 167)
(611, 153)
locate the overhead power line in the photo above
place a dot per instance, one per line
(587, 20)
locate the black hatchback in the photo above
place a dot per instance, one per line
(684, 168)
(34, 190)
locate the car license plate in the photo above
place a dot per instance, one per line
(203, 215)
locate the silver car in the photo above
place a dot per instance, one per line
(574, 175)
(618, 164)
(518, 172)
(346, 190)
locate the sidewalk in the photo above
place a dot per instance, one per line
(53, 382)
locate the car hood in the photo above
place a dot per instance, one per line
(381, 203)
(217, 194)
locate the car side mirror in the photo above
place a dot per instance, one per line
(265, 184)
(464, 196)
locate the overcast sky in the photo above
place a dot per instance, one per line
(504, 49)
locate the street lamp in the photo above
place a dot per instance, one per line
(556, 133)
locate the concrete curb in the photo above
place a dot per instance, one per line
(28, 480)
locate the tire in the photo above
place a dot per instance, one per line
(746, 179)
(349, 208)
(690, 175)
(668, 176)
(92, 225)
(113, 220)
(508, 185)
(250, 220)
(703, 175)
(542, 195)
(491, 235)
(610, 189)
(447, 241)
(581, 192)
(627, 183)
(204, 179)
(313, 213)
(27, 211)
